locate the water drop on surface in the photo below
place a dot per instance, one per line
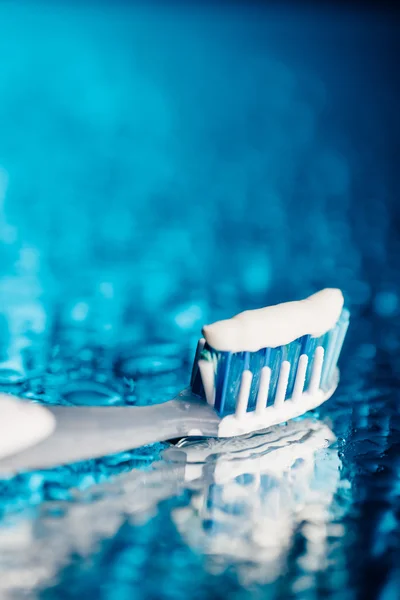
(89, 393)
(11, 376)
(154, 359)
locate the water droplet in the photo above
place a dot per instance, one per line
(189, 316)
(11, 376)
(154, 359)
(80, 312)
(89, 393)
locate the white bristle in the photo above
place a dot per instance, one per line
(282, 383)
(263, 390)
(303, 398)
(300, 378)
(244, 393)
(199, 350)
(316, 370)
(207, 377)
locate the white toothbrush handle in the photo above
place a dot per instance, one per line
(84, 432)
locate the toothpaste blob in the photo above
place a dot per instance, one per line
(277, 325)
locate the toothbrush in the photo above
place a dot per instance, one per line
(22, 425)
(256, 370)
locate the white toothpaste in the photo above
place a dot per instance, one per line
(276, 325)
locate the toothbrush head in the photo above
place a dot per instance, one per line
(254, 389)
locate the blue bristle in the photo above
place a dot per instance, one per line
(257, 362)
(266, 352)
(304, 341)
(221, 381)
(329, 347)
(293, 355)
(338, 336)
(278, 355)
(230, 367)
(231, 371)
(311, 345)
(344, 325)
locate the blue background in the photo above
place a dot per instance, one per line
(162, 166)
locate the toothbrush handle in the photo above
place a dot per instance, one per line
(84, 432)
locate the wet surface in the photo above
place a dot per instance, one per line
(224, 177)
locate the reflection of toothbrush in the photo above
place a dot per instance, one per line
(258, 369)
(218, 467)
(36, 546)
(276, 449)
(249, 496)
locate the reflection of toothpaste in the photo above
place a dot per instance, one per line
(276, 325)
(253, 497)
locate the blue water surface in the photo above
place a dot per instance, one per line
(163, 166)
